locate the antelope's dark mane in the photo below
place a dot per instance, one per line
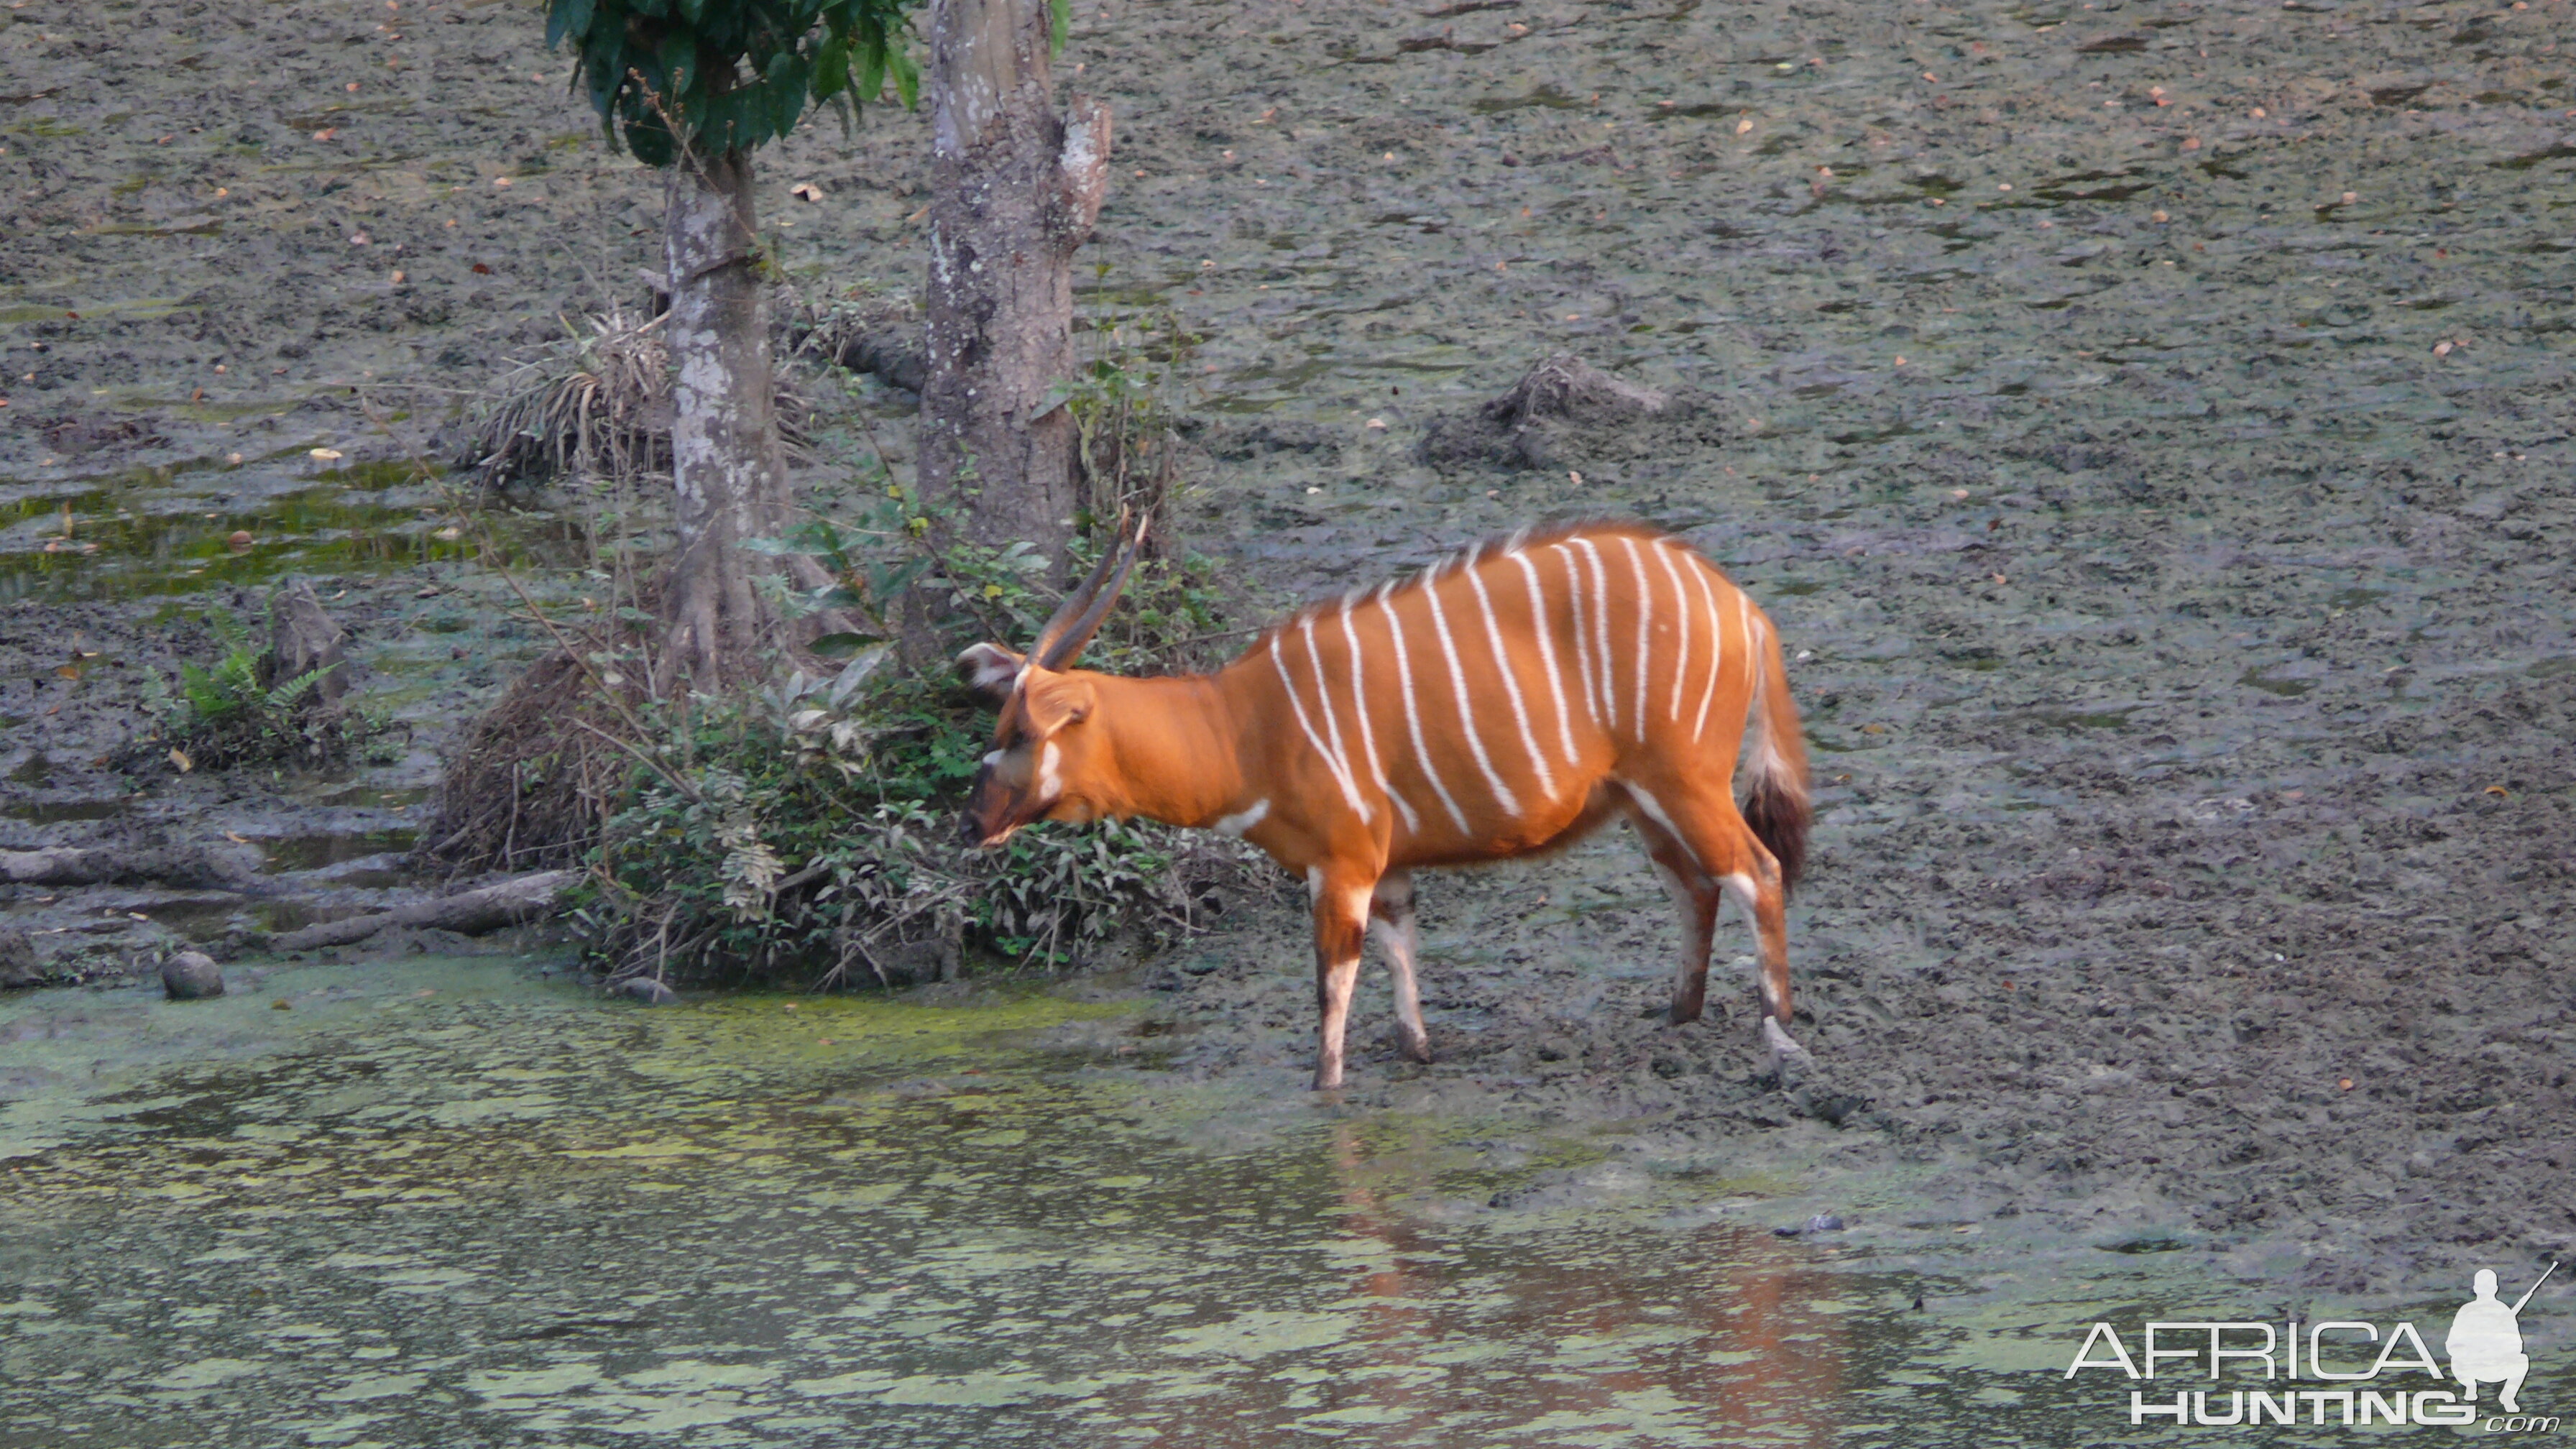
(1534, 537)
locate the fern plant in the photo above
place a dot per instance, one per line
(224, 716)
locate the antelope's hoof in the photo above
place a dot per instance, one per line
(1418, 1049)
(1788, 1059)
(1684, 1012)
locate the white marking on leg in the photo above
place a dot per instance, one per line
(1368, 735)
(1314, 882)
(1339, 978)
(1466, 708)
(1545, 629)
(1681, 611)
(992, 758)
(1601, 627)
(1512, 687)
(1412, 713)
(1397, 937)
(1332, 766)
(1645, 619)
(1784, 1049)
(1747, 896)
(1716, 645)
(1324, 694)
(1244, 819)
(1582, 638)
(1654, 809)
(1049, 786)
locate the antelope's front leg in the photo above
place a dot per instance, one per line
(1341, 930)
(1392, 904)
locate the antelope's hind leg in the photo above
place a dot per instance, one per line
(1711, 835)
(1391, 905)
(1695, 900)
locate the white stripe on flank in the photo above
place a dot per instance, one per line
(1744, 612)
(1601, 627)
(1645, 616)
(1341, 777)
(1681, 609)
(1545, 628)
(1324, 695)
(1512, 686)
(1413, 715)
(1467, 710)
(1582, 636)
(1368, 736)
(1716, 645)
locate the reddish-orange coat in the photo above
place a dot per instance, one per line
(1506, 701)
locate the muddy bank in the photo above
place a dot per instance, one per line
(2148, 420)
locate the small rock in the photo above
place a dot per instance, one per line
(192, 976)
(18, 966)
(1820, 1223)
(647, 990)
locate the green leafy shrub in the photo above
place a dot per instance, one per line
(812, 828)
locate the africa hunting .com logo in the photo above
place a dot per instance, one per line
(2484, 1346)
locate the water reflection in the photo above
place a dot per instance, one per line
(465, 1210)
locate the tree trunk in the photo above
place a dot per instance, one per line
(508, 902)
(726, 464)
(1016, 190)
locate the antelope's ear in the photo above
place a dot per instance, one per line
(990, 670)
(1055, 700)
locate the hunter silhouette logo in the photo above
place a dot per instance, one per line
(2486, 1341)
(2362, 1374)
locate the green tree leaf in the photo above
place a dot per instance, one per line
(841, 646)
(639, 58)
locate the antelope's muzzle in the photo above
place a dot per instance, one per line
(987, 820)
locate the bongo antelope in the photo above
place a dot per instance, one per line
(1505, 702)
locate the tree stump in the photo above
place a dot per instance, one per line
(18, 964)
(301, 639)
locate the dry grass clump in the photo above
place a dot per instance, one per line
(861, 331)
(535, 779)
(595, 406)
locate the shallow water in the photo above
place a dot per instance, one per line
(199, 526)
(466, 1202)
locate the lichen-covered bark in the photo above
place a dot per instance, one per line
(726, 466)
(1017, 190)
